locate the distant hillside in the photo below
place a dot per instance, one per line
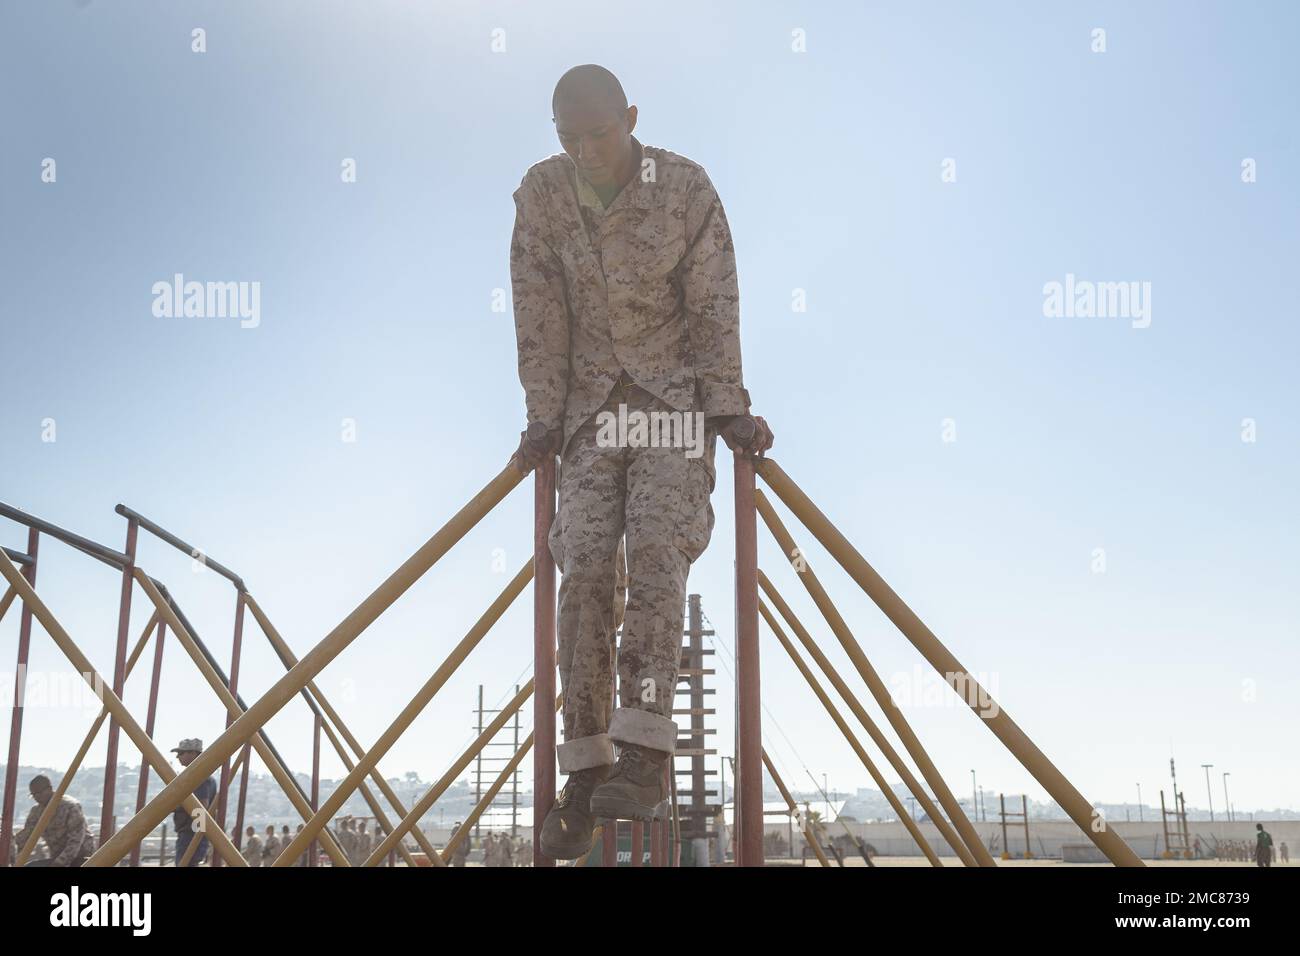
(266, 802)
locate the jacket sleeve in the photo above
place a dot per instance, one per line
(541, 311)
(74, 836)
(22, 836)
(711, 300)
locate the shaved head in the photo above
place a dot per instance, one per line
(595, 126)
(590, 85)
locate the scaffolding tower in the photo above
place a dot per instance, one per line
(485, 761)
(696, 806)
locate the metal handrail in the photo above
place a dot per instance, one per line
(162, 533)
(18, 557)
(225, 679)
(93, 548)
(321, 655)
(118, 711)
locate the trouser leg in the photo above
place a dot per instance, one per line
(669, 521)
(584, 541)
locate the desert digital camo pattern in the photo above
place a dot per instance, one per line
(659, 498)
(635, 303)
(646, 286)
(67, 836)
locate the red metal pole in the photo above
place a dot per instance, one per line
(543, 654)
(119, 680)
(20, 695)
(638, 841)
(223, 790)
(609, 844)
(142, 791)
(656, 842)
(315, 782)
(672, 839)
(749, 782)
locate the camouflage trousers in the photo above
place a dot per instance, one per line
(654, 497)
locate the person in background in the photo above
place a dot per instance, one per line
(67, 836)
(271, 846)
(253, 847)
(365, 846)
(1263, 846)
(302, 859)
(461, 853)
(346, 838)
(186, 752)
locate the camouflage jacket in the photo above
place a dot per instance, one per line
(270, 850)
(67, 835)
(366, 844)
(646, 285)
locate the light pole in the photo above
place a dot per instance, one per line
(1226, 804)
(974, 798)
(1139, 803)
(1208, 794)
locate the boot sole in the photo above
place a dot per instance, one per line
(550, 851)
(618, 808)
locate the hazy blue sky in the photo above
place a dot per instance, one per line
(925, 311)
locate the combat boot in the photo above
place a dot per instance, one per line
(634, 788)
(566, 834)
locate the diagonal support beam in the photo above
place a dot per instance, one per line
(858, 749)
(447, 779)
(117, 709)
(794, 807)
(873, 730)
(412, 710)
(463, 831)
(316, 660)
(1088, 819)
(219, 687)
(5, 601)
(316, 697)
(371, 801)
(877, 686)
(48, 813)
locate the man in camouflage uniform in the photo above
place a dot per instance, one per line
(285, 841)
(252, 847)
(626, 303)
(364, 846)
(271, 846)
(345, 836)
(67, 836)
